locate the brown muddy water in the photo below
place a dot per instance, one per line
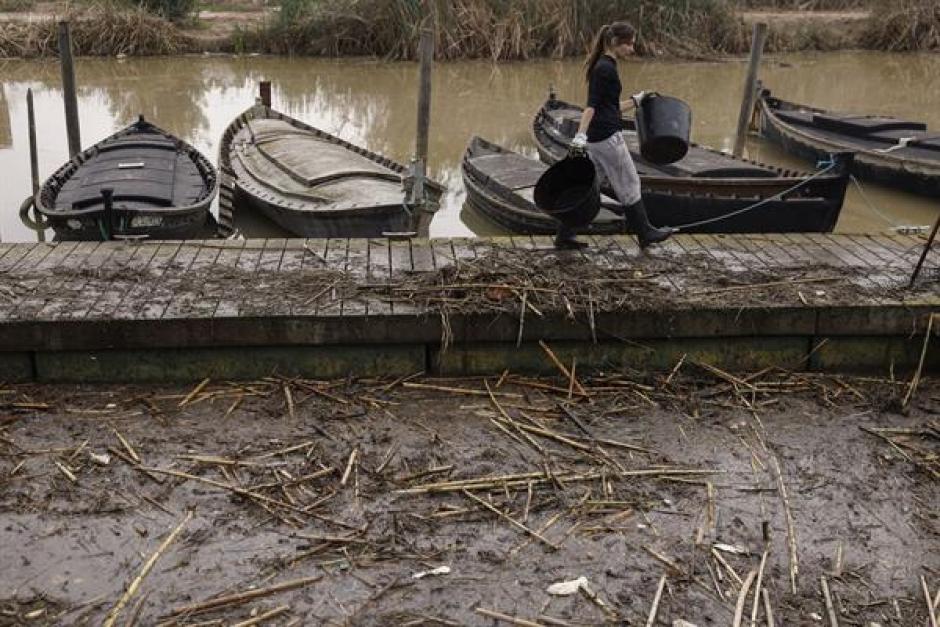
(373, 103)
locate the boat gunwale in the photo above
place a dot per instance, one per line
(54, 182)
(881, 159)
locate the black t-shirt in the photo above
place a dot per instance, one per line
(604, 96)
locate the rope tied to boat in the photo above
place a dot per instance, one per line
(829, 166)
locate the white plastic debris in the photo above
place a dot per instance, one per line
(816, 617)
(102, 459)
(682, 623)
(440, 570)
(820, 292)
(567, 588)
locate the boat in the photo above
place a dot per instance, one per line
(314, 184)
(141, 182)
(707, 183)
(892, 151)
(500, 185)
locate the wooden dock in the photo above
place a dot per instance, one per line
(152, 311)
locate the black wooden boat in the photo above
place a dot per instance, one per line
(500, 185)
(160, 187)
(708, 175)
(314, 184)
(887, 150)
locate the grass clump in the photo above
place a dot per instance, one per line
(904, 26)
(497, 29)
(97, 30)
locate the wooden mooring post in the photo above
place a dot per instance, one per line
(33, 156)
(68, 89)
(750, 87)
(426, 57)
(264, 89)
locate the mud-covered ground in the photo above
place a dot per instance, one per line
(346, 491)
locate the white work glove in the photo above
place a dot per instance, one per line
(579, 142)
(638, 98)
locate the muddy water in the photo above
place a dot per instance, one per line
(373, 104)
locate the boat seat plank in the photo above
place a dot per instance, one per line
(309, 158)
(511, 170)
(863, 125)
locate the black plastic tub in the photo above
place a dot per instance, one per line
(663, 124)
(569, 192)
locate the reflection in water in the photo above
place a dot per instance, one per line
(373, 104)
(6, 137)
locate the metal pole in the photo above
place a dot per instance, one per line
(923, 255)
(426, 56)
(68, 89)
(33, 158)
(750, 86)
(264, 89)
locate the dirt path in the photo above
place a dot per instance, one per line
(332, 486)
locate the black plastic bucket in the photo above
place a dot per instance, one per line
(569, 192)
(663, 124)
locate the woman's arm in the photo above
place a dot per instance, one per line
(586, 118)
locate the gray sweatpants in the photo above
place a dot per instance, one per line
(612, 158)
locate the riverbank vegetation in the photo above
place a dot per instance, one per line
(489, 29)
(904, 26)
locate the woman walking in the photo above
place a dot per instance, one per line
(601, 132)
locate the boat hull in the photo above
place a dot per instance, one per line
(301, 163)
(161, 188)
(916, 177)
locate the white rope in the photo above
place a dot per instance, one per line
(756, 205)
(871, 205)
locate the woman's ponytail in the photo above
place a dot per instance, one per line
(600, 44)
(607, 36)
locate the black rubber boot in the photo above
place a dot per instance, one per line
(566, 240)
(639, 223)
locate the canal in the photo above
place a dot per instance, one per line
(373, 103)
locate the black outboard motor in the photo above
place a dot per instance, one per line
(570, 193)
(663, 124)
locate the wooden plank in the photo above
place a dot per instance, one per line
(116, 282)
(249, 264)
(888, 256)
(131, 259)
(543, 242)
(401, 269)
(195, 301)
(356, 267)
(174, 280)
(68, 295)
(422, 258)
(294, 254)
(29, 261)
(331, 304)
(92, 282)
(313, 260)
(34, 290)
(771, 248)
(718, 250)
(378, 271)
(133, 303)
(443, 252)
(820, 254)
(272, 255)
(14, 256)
(226, 265)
